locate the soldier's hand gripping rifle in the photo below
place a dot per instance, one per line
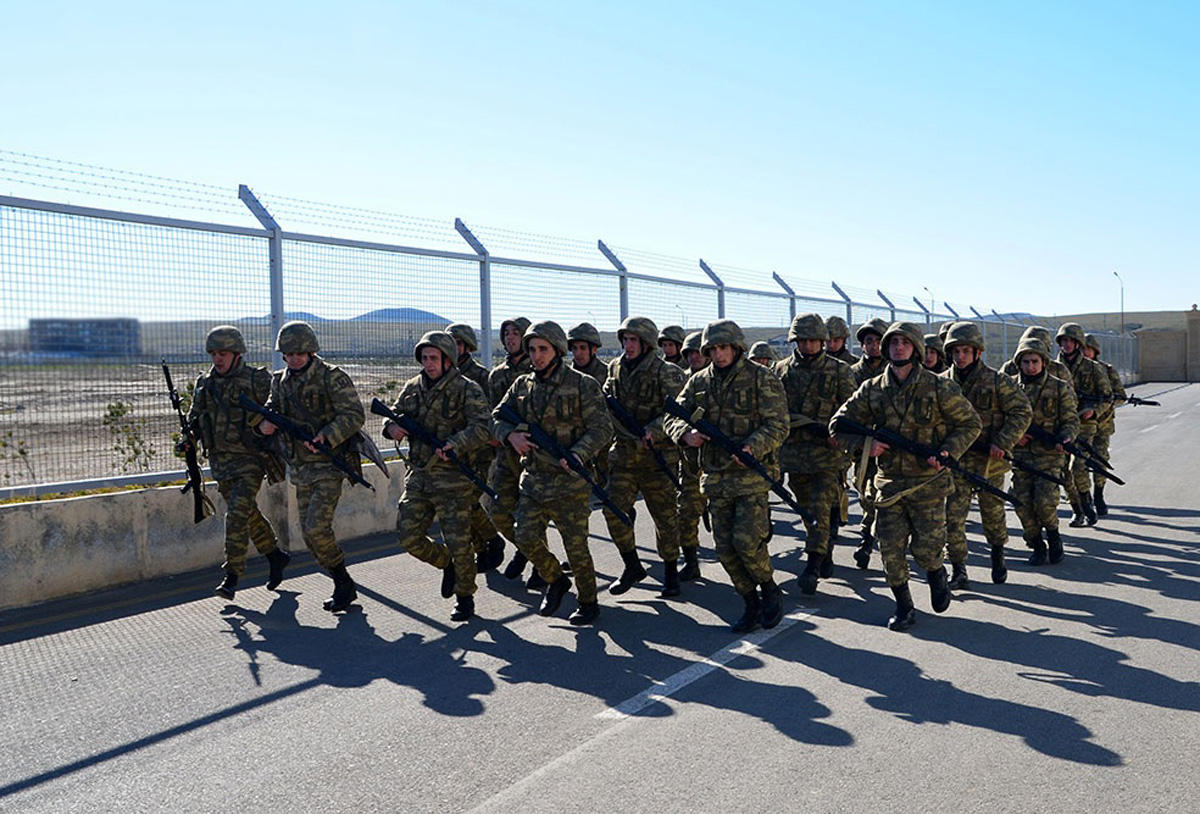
(1048, 438)
(549, 444)
(302, 433)
(630, 423)
(417, 430)
(734, 448)
(202, 506)
(922, 451)
(985, 447)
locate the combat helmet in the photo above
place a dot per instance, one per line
(762, 350)
(838, 329)
(297, 336)
(224, 337)
(550, 331)
(964, 333)
(521, 322)
(441, 340)
(810, 326)
(1071, 330)
(692, 342)
(641, 327)
(1031, 344)
(463, 333)
(1037, 332)
(945, 329)
(672, 333)
(1093, 342)
(584, 332)
(910, 331)
(933, 342)
(722, 332)
(876, 326)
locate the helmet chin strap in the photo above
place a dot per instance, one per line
(901, 362)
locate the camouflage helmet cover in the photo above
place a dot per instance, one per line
(1031, 344)
(521, 323)
(441, 340)
(585, 332)
(1091, 341)
(551, 332)
(934, 342)
(297, 337)
(224, 337)
(762, 350)
(464, 333)
(692, 341)
(672, 333)
(1037, 332)
(965, 333)
(944, 329)
(808, 326)
(1071, 330)
(909, 330)
(722, 332)
(641, 327)
(838, 329)
(875, 326)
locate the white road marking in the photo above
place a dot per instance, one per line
(1174, 415)
(1147, 429)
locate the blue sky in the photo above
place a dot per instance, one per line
(1006, 155)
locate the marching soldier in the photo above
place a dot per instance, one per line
(1044, 335)
(870, 364)
(690, 503)
(763, 354)
(1005, 413)
(1054, 410)
(839, 332)
(748, 403)
(642, 380)
(1092, 391)
(911, 492)
(236, 454)
(816, 385)
(453, 408)
(935, 354)
(870, 338)
(1107, 421)
(583, 341)
(569, 407)
(691, 353)
(321, 397)
(670, 341)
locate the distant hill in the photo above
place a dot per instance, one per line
(400, 315)
(287, 317)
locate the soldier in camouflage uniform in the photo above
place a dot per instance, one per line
(816, 385)
(642, 380)
(454, 409)
(935, 354)
(871, 364)
(1044, 335)
(321, 397)
(1092, 390)
(690, 504)
(569, 406)
(747, 402)
(583, 340)
(670, 342)
(236, 454)
(1106, 423)
(839, 332)
(487, 544)
(1005, 412)
(505, 471)
(911, 492)
(763, 354)
(1054, 410)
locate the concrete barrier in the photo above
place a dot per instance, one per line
(55, 548)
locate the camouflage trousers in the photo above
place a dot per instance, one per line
(504, 477)
(819, 492)
(740, 528)
(690, 503)
(570, 516)
(625, 480)
(1101, 444)
(244, 523)
(1081, 476)
(1038, 496)
(866, 499)
(917, 523)
(991, 514)
(317, 502)
(417, 510)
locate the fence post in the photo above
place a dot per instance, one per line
(720, 288)
(791, 295)
(957, 318)
(1003, 332)
(890, 304)
(849, 305)
(623, 279)
(928, 319)
(485, 290)
(274, 253)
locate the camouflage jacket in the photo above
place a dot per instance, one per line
(596, 369)
(322, 398)
(1108, 415)
(1057, 369)
(815, 389)
(642, 390)
(867, 367)
(1054, 410)
(1089, 379)
(924, 408)
(844, 355)
(476, 372)
(504, 374)
(748, 403)
(1002, 407)
(568, 405)
(454, 409)
(224, 428)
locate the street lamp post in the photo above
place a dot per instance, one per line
(1122, 282)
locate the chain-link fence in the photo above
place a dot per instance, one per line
(96, 298)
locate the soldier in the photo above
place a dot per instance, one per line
(569, 406)
(911, 492)
(839, 332)
(642, 380)
(935, 354)
(321, 397)
(763, 354)
(453, 408)
(691, 353)
(816, 385)
(670, 341)
(1057, 369)
(1054, 410)
(1091, 388)
(1005, 413)
(690, 503)
(871, 364)
(506, 469)
(1106, 423)
(236, 454)
(488, 545)
(583, 341)
(748, 403)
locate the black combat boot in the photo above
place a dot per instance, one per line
(1054, 542)
(1101, 506)
(344, 590)
(862, 554)
(554, 595)
(1089, 510)
(464, 609)
(634, 572)
(772, 604)
(535, 582)
(277, 560)
(1038, 557)
(812, 570)
(750, 616)
(492, 555)
(448, 579)
(905, 615)
(516, 566)
(827, 561)
(958, 576)
(670, 580)
(585, 614)
(691, 565)
(1078, 520)
(939, 589)
(228, 586)
(835, 522)
(999, 570)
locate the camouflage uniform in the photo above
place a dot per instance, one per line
(506, 468)
(838, 329)
(690, 503)
(675, 334)
(867, 367)
(1106, 418)
(570, 407)
(1059, 371)
(1089, 379)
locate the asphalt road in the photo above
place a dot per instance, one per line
(1070, 688)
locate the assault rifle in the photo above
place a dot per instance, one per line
(1134, 400)
(630, 423)
(1047, 437)
(202, 506)
(547, 442)
(417, 430)
(734, 448)
(301, 433)
(922, 451)
(985, 447)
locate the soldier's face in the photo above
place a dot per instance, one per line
(222, 360)
(899, 349)
(871, 345)
(931, 357)
(669, 348)
(695, 360)
(511, 339)
(458, 343)
(296, 361)
(581, 352)
(722, 355)
(1068, 345)
(1031, 364)
(809, 347)
(632, 346)
(835, 345)
(963, 355)
(541, 353)
(1089, 352)
(431, 363)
